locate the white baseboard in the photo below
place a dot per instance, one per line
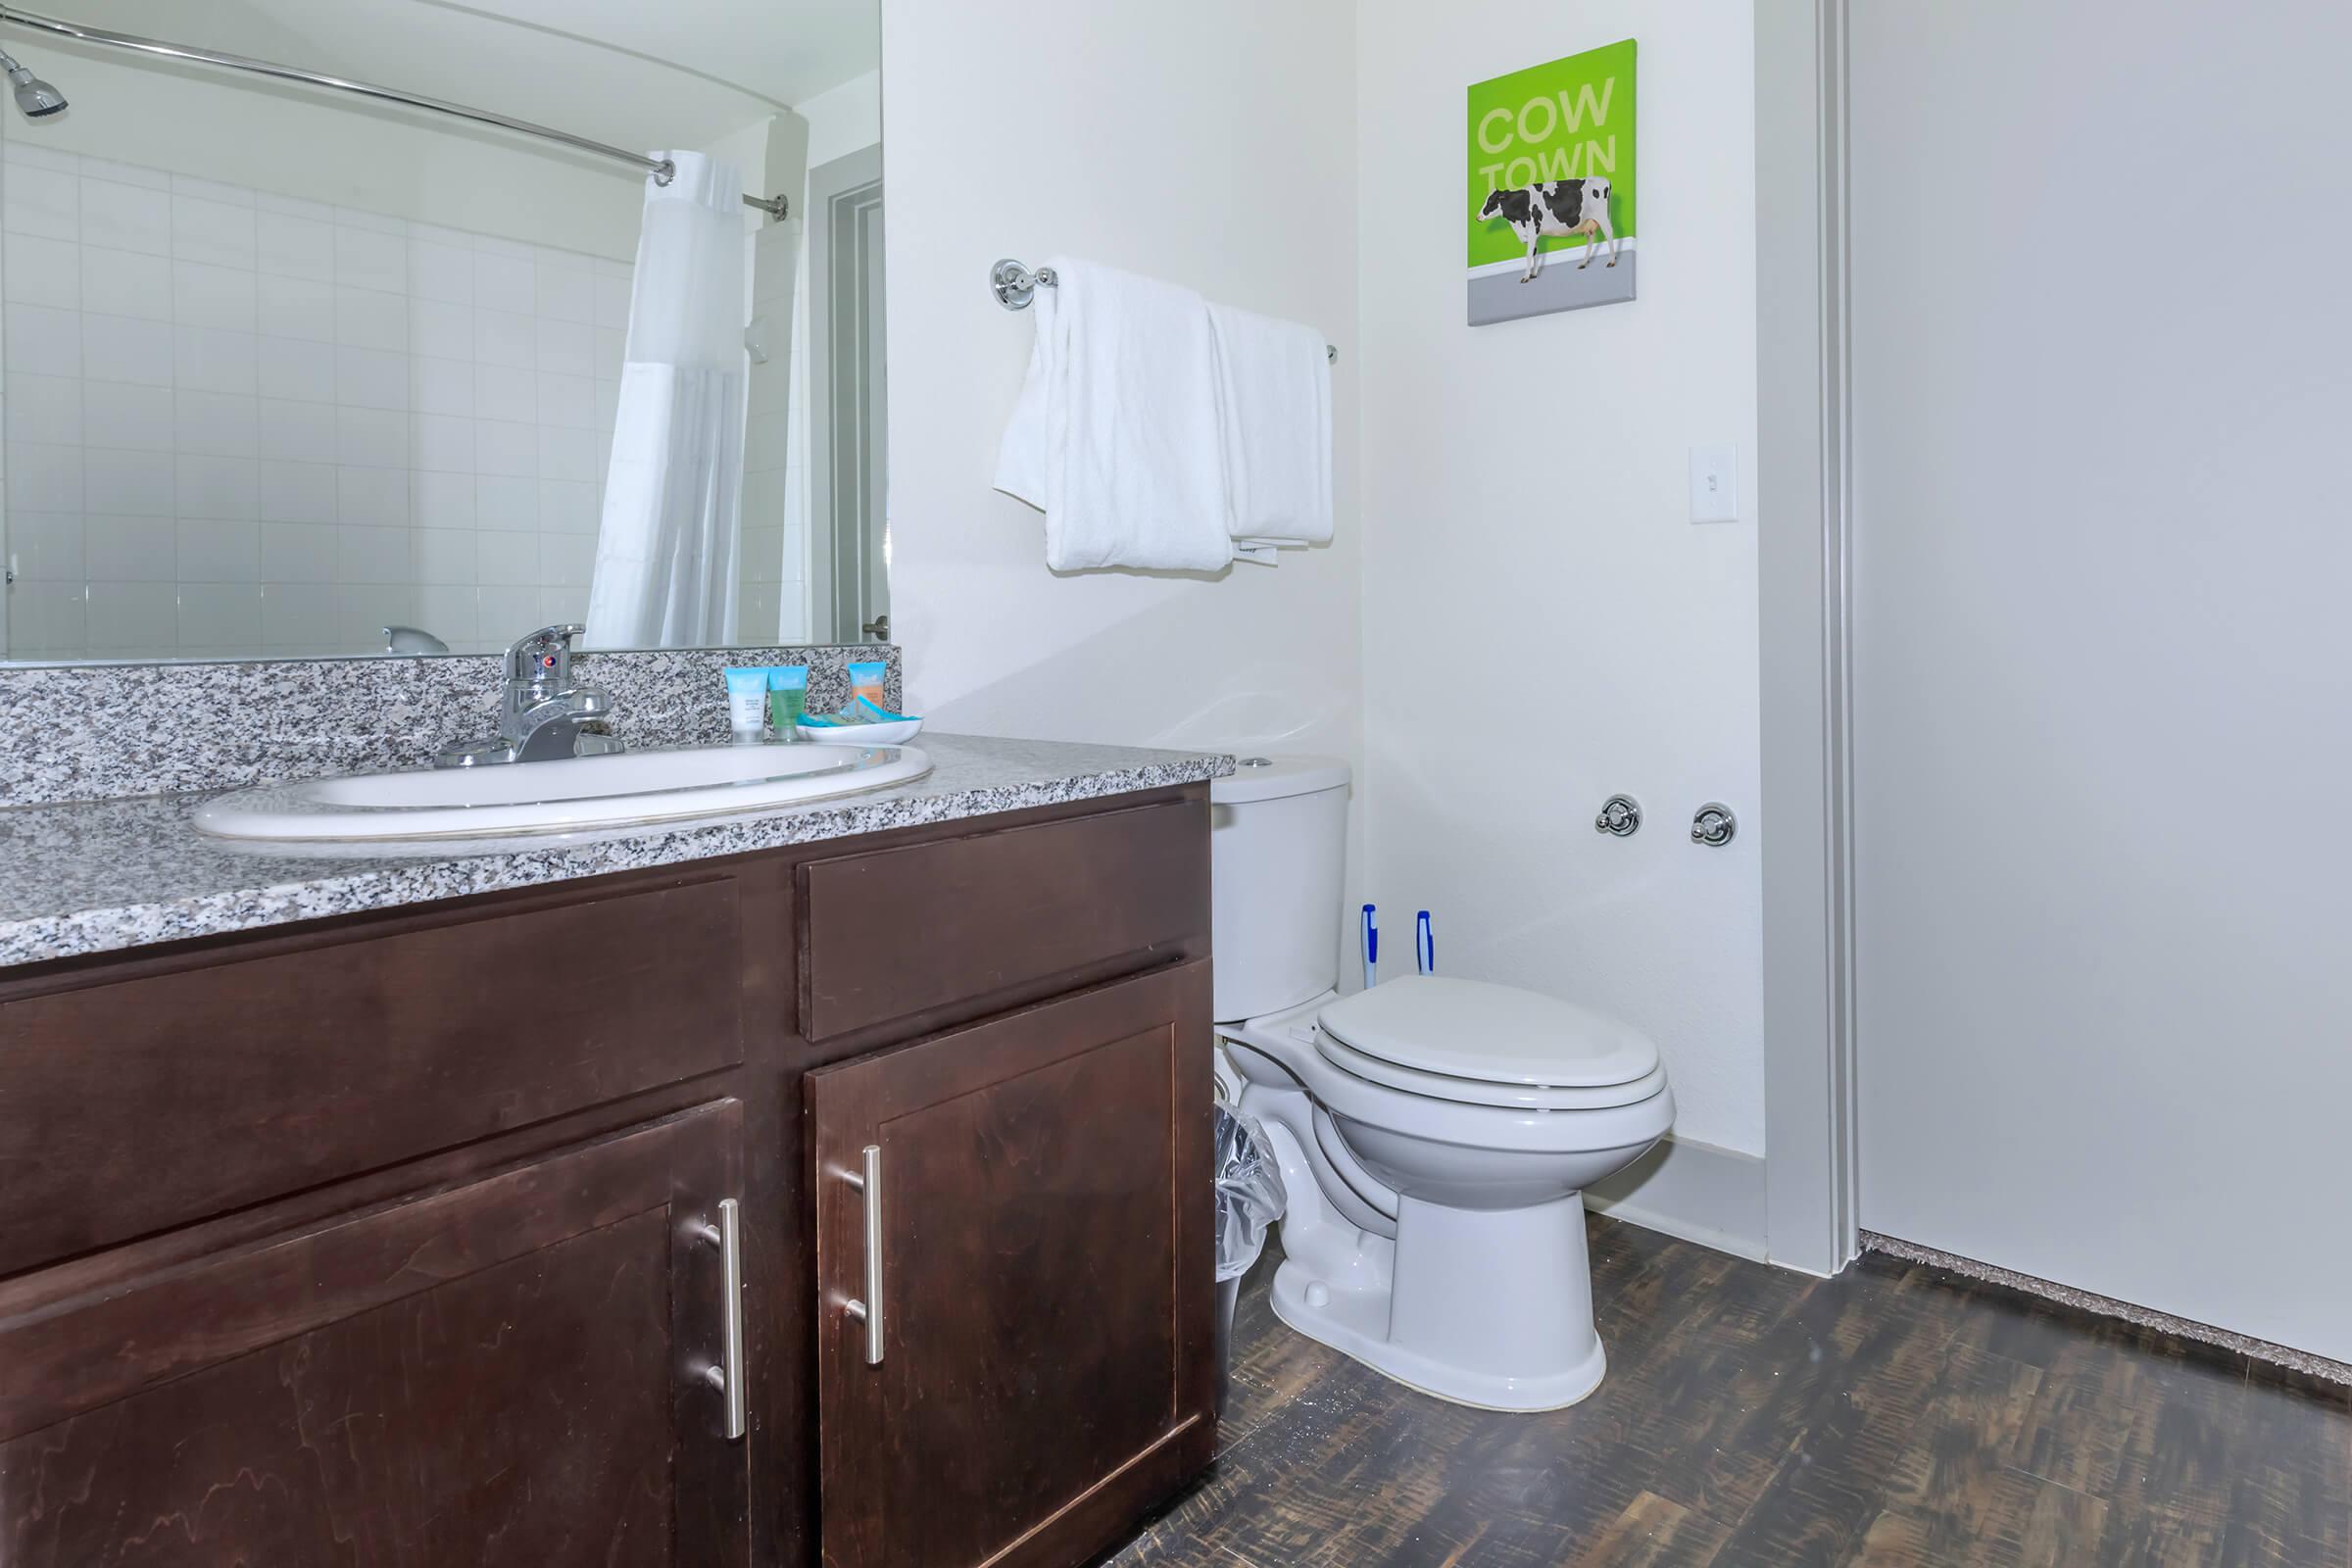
(1696, 1192)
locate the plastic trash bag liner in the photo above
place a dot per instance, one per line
(1250, 1193)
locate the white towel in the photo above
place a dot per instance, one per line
(1116, 436)
(1274, 391)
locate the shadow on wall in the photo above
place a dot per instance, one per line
(1144, 681)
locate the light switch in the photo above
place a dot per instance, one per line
(1714, 484)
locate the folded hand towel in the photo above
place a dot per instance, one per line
(1274, 389)
(1116, 436)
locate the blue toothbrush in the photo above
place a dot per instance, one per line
(1425, 946)
(1371, 950)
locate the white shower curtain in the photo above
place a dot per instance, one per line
(665, 553)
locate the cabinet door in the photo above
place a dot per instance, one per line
(510, 1372)
(1037, 1192)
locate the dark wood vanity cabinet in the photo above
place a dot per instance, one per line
(390, 1240)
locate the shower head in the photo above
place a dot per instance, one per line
(34, 95)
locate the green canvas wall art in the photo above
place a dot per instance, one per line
(1553, 186)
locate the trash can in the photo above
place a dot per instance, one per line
(1250, 1199)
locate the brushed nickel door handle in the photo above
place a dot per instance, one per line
(727, 1375)
(868, 1309)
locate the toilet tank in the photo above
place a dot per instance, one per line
(1278, 849)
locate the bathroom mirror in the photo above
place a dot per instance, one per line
(288, 366)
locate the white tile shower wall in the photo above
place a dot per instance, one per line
(239, 423)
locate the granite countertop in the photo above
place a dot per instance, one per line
(97, 876)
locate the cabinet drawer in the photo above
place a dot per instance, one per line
(135, 1104)
(894, 933)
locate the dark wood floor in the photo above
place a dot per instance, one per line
(1895, 1415)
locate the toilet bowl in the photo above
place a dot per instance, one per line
(1436, 1228)
(1435, 1134)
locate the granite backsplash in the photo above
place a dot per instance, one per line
(89, 732)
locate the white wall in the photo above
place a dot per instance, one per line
(775, 605)
(1524, 567)
(772, 563)
(844, 118)
(1531, 580)
(1209, 144)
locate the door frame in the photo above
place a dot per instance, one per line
(1804, 592)
(846, 425)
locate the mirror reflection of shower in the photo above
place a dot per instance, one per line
(34, 95)
(363, 376)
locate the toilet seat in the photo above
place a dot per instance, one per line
(1488, 1045)
(1478, 1091)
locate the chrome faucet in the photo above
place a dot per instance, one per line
(542, 715)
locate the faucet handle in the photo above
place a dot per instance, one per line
(544, 656)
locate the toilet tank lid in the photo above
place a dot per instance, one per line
(1493, 1034)
(1257, 776)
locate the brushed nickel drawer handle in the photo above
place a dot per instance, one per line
(869, 1309)
(727, 1376)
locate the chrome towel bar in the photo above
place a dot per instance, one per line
(1015, 285)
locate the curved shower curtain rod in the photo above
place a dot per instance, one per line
(661, 169)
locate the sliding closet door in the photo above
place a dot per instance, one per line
(2102, 374)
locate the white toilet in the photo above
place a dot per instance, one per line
(1436, 1135)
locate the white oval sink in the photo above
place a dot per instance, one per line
(615, 790)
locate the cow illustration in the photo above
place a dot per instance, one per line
(1555, 207)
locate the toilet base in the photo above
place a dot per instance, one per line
(1353, 1325)
(1496, 1310)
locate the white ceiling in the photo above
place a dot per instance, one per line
(676, 73)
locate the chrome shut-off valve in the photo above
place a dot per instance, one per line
(1620, 814)
(1714, 825)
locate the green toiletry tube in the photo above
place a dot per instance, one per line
(787, 700)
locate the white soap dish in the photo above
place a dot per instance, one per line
(889, 734)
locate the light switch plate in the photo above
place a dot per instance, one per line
(1714, 484)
